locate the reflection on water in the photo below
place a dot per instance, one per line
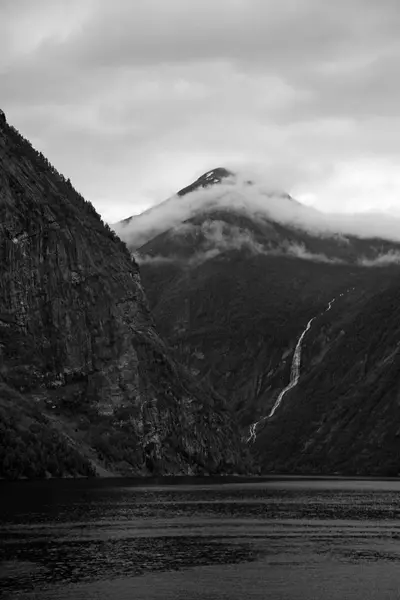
(173, 538)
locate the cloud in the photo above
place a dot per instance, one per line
(300, 251)
(220, 238)
(215, 237)
(145, 259)
(260, 201)
(132, 99)
(382, 260)
(286, 35)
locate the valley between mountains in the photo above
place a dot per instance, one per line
(87, 385)
(229, 329)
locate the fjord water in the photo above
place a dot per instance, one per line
(211, 538)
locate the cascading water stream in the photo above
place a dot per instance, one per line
(294, 377)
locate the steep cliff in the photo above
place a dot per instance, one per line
(343, 417)
(79, 354)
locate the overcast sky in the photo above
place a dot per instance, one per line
(133, 99)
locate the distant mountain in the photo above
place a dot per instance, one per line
(208, 179)
(217, 175)
(232, 288)
(87, 386)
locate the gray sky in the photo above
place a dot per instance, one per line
(133, 99)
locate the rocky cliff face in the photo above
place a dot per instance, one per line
(78, 343)
(343, 417)
(232, 302)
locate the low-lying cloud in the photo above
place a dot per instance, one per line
(382, 260)
(217, 237)
(300, 251)
(258, 200)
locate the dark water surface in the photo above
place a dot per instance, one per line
(185, 538)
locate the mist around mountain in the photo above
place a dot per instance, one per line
(87, 385)
(246, 194)
(234, 270)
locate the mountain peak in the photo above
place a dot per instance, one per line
(209, 178)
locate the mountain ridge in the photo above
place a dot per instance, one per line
(232, 298)
(80, 360)
(236, 194)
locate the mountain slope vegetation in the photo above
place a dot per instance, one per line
(83, 370)
(231, 289)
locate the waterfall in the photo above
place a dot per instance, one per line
(294, 377)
